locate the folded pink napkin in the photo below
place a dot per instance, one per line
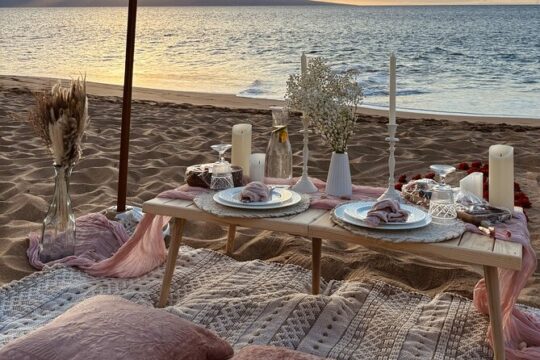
(255, 191)
(386, 211)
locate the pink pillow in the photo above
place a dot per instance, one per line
(261, 352)
(109, 327)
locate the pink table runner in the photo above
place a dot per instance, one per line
(145, 250)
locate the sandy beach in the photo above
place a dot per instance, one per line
(172, 130)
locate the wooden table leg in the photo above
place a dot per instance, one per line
(230, 240)
(495, 315)
(316, 244)
(176, 238)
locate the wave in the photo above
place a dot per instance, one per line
(255, 89)
(402, 92)
(529, 81)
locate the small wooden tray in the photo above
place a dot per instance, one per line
(491, 214)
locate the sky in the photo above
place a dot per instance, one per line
(432, 2)
(352, 2)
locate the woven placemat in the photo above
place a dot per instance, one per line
(428, 234)
(206, 203)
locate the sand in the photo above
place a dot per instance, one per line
(168, 135)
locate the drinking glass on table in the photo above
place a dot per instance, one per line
(221, 149)
(221, 176)
(221, 170)
(441, 205)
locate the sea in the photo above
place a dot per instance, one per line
(464, 59)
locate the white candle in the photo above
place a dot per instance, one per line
(392, 106)
(501, 176)
(473, 183)
(303, 64)
(256, 167)
(241, 146)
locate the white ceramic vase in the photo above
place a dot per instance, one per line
(339, 182)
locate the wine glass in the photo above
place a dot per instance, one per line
(441, 205)
(221, 170)
(442, 171)
(221, 149)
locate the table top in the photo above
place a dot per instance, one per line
(469, 248)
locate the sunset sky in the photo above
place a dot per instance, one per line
(431, 2)
(225, 2)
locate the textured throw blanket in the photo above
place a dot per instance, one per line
(257, 302)
(145, 250)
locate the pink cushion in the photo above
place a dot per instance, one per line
(261, 352)
(109, 327)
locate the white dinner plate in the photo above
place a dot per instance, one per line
(340, 212)
(233, 196)
(295, 199)
(360, 211)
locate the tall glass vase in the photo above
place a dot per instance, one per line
(58, 233)
(278, 161)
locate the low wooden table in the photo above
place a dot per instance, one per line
(317, 224)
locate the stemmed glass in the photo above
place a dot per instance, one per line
(221, 170)
(221, 149)
(441, 206)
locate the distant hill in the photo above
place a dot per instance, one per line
(70, 3)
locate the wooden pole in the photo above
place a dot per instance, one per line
(126, 108)
(316, 245)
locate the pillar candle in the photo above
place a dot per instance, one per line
(392, 106)
(473, 183)
(241, 146)
(256, 167)
(501, 176)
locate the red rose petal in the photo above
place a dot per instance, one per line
(463, 166)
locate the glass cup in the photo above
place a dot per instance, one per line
(441, 205)
(221, 176)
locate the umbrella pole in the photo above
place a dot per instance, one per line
(126, 108)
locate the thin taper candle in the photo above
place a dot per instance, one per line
(392, 107)
(303, 64)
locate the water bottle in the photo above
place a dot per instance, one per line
(278, 161)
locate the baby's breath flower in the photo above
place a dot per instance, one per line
(327, 100)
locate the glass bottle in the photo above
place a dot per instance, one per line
(278, 162)
(58, 232)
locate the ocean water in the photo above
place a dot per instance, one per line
(470, 59)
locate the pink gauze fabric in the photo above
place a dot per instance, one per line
(145, 250)
(521, 330)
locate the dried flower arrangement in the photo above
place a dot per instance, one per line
(60, 118)
(328, 100)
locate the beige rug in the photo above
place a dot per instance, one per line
(256, 302)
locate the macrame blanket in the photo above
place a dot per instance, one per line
(257, 302)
